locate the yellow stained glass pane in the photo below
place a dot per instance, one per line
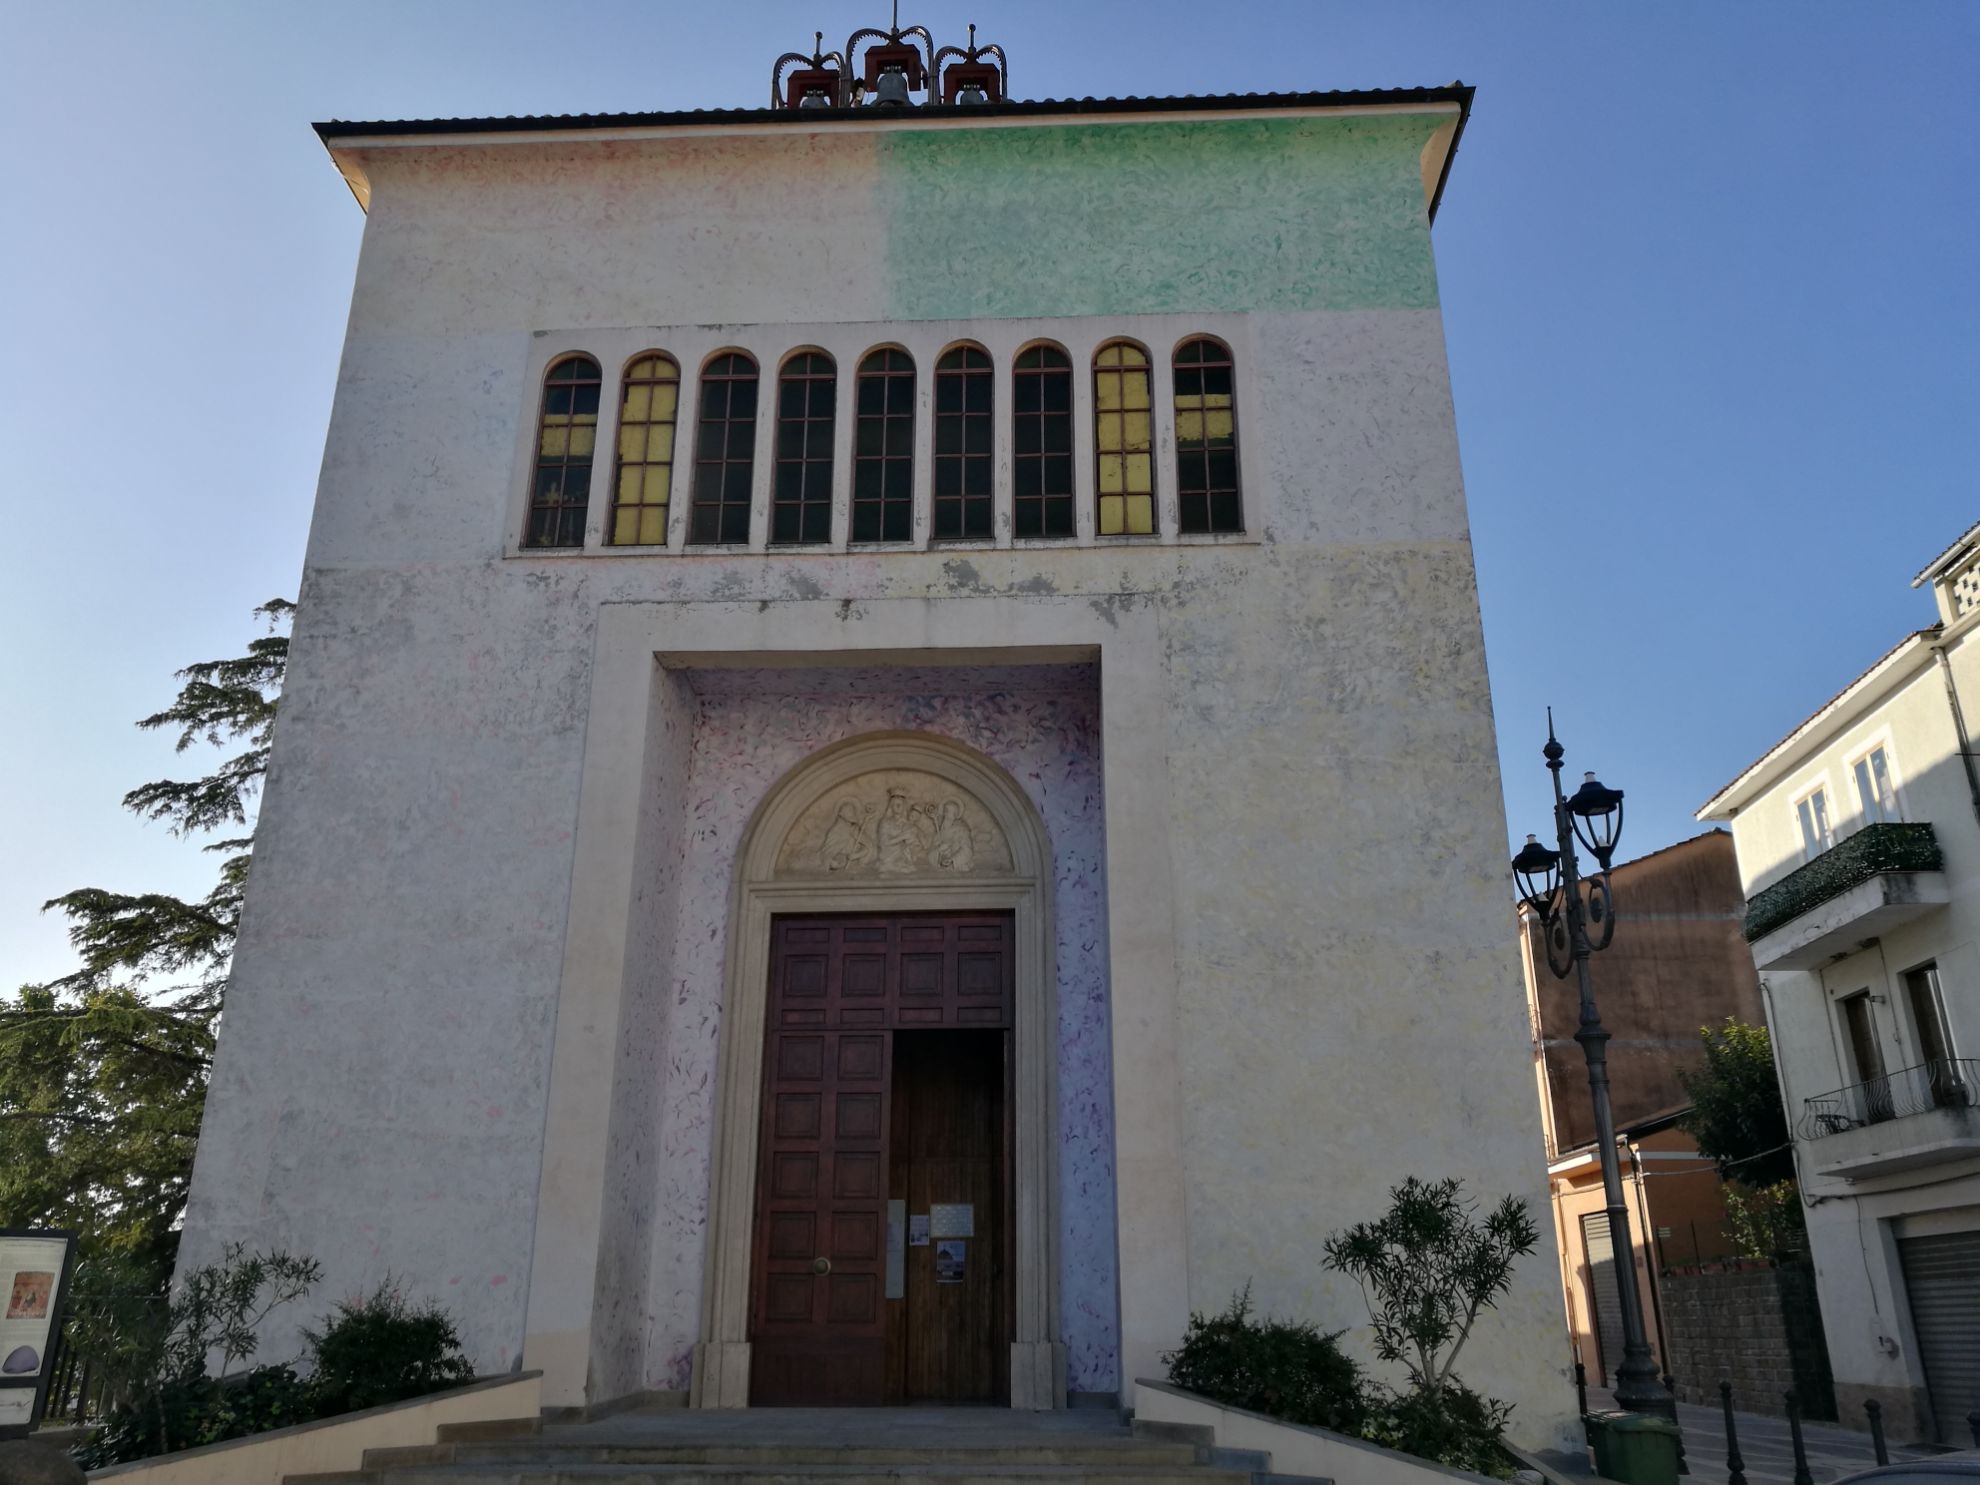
(1107, 391)
(1141, 515)
(644, 367)
(1134, 389)
(556, 441)
(1189, 427)
(1110, 474)
(660, 443)
(1107, 429)
(653, 525)
(1113, 517)
(1219, 422)
(1140, 473)
(629, 486)
(1110, 355)
(1137, 430)
(584, 434)
(638, 406)
(666, 397)
(657, 481)
(632, 440)
(625, 526)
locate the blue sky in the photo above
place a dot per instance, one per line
(1708, 275)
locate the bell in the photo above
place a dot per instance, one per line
(972, 92)
(814, 98)
(891, 91)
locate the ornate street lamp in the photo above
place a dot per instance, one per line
(1577, 917)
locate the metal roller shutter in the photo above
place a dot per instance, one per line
(1942, 1276)
(1605, 1300)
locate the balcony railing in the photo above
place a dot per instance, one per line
(1870, 852)
(1946, 1083)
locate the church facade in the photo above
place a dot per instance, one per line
(887, 779)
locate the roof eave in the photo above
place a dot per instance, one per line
(340, 136)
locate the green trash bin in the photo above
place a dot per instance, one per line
(1636, 1448)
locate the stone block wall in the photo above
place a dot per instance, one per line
(1755, 1325)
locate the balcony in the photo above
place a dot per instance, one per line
(1920, 1116)
(1863, 886)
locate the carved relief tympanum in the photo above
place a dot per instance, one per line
(897, 822)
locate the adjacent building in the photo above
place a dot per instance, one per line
(1859, 847)
(1678, 963)
(860, 673)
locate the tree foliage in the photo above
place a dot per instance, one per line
(1428, 1268)
(1737, 1116)
(103, 1071)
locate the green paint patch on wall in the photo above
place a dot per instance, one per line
(1206, 215)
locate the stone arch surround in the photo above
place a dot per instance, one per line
(748, 729)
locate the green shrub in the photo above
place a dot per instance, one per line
(190, 1411)
(1453, 1426)
(380, 1348)
(1289, 1369)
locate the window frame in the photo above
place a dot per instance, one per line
(723, 505)
(1818, 789)
(1124, 453)
(809, 467)
(863, 372)
(536, 464)
(1042, 455)
(627, 381)
(1892, 811)
(1176, 410)
(969, 378)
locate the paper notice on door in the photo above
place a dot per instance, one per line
(954, 1220)
(951, 1261)
(918, 1230)
(896, 1249)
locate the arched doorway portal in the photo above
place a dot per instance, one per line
(890, 826)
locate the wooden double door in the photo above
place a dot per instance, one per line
(880, 1272)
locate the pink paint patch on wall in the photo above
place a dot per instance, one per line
(1042, 724)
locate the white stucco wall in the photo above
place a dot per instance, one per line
(1309, 696)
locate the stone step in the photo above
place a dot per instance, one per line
(949, 1474)
(545, 1452)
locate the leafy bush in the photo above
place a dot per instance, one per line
(1289, 1369)
(1453, 1426)
(1428, 1268)
(379, 1348)
(1767, 1222)
(190, 1411)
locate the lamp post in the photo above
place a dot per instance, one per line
(1577, 917)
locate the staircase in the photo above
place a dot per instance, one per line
(788, 1446)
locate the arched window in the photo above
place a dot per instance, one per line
(648, 406)
(883, 449)
(801, 499)
(1124, 438)
(566, 434)
(964, 504)
(724, 451)
(1206, 438)
(1042, 420)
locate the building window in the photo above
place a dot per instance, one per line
(964, 505)
(1812, 810)
(1928, 1025)
(1870, 1098)
(883, 448)
(1206, 439)
(648, 406)
(1123, 438)
(1873, 787)
(1042, 420)
(807, 401)
(724, 452)
(566, 434)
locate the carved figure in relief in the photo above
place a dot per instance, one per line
(846, 843)
(955, 844)
(898, 836)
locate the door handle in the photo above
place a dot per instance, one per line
(821, 1265)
